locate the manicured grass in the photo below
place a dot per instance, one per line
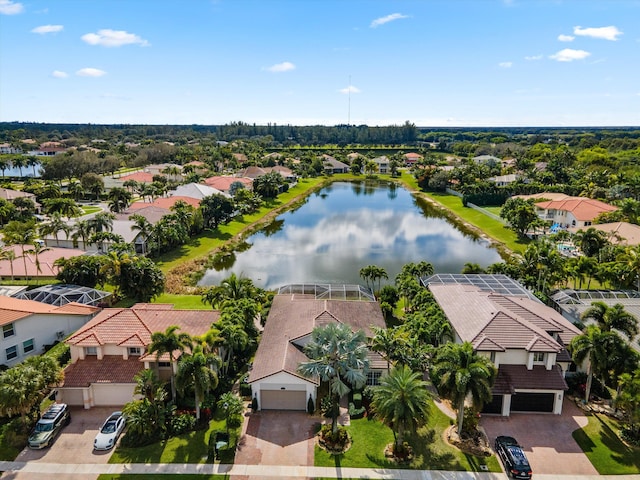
(488, 225)
(89, 209)
(188, 302)
(494, 210)
(600, 442)
(191, 447)
(370, 438)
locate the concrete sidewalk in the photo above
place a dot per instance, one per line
(49, 470)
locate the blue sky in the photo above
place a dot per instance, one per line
(307, 62)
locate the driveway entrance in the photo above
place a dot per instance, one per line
(277, 438)
(546, 439)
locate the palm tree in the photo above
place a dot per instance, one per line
(75, 189)
(147, 384)
(338, 356)
(594, 346)
(458, 372)
(612, 318)
(233, 339)
(32, 162)
(387, 341)
(144, 228)
(194, 371)
(19, 162)
(20, 233)
(83, 231)
(102, 221)
(169, 341)
(232, 288)
(401, 401)
(37, 249)
(373, 273)
(7, 253)
(54, 226)
(119, 199)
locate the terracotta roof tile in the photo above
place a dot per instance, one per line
(111, 369)
(12, 309)
(584, 209)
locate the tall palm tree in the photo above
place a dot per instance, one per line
(612, 318)
(119, 199)
(54, 226)
(75, 189)
(7, 253)
(594, 346)
(36, 249)
(147, 384)
(458, 372)
(144, 228)
(232, 288)
(387, 341)
(169, 341)
(83, 231)
(373, 273)
(233, 339)
(20, 233)
(194, 371)
(401, 401)
(102, 221)
(338, 356)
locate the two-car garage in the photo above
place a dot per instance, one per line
(283, 391)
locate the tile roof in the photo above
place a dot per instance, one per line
(117, 326)
(152, 212)
(110, 369)
(499, 322)
(140, 177)
(12, 309)
(618, 232)
(223, 183)
(292, 317)
(9, 194)
(165, 203)
(517, 377)
(584, 209)
(46, 259)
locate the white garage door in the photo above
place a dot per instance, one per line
(283, 400)
(108, 395)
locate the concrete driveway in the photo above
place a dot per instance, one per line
(277, 438)
(546, 439)
(73, 445)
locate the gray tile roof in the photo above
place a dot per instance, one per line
(516, 377)
(497, 322)
(293, 317)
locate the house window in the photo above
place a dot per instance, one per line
(27, 346)
(373, 378)
(91, 350)
(11, 352)
(164, 364)
(538, 356)
(492, 356)
(134, 350)
(8, 331)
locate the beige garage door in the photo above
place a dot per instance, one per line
(283, 400)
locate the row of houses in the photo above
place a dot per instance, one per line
(524, 338)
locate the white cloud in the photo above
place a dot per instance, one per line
(389, 18)
(7, 7)
(349, 89)
(505, 64)
(90, 72)
(281, 67)
(605, 33)
(114, 38)
(59, 74)
(569, 55)
(42, 29)
(565, 38)
(533, 57)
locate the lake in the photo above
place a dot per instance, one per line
(347, 226)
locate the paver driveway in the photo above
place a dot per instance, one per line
(73, 445)
(546, 439)
(277, 438)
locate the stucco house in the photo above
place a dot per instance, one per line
(618, 233)
(111, 349)
(524, 339)
(333, 165)
(28, 325)
(274, 379)
(383, 163)
(412, 158)
(569, 212)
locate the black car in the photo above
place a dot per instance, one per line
(514, 460)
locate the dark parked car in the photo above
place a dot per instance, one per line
(49, 426)
(514, 460)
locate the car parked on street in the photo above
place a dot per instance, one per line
(109, 432)
(513, 458)
(49, 426)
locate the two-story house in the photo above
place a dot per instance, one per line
(524, 338)
(28, 325)
(108, 352)
(274, 378)
(568, 212)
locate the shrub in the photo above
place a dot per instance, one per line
(311, 406)
(245, 388)
(326, 404)
(357, 399)
(234, 421)
(254, 404)
(334, 442)
(355, 412)
(631, 434)
(182, 423)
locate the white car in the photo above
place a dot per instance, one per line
(109, 432)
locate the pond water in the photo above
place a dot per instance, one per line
(347, 226)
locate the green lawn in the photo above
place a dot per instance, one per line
(188, 302)
(600, 442)
(488, 225)
(188, 448)
(86, 210)
(431, 452)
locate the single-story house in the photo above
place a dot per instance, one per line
(45, 266)
(28, 325)
(108, 352)
(503, 180)
(623, 233)
(195, 190)
(332, 165)
(223, 183)
(274, 378)
(524, 339)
